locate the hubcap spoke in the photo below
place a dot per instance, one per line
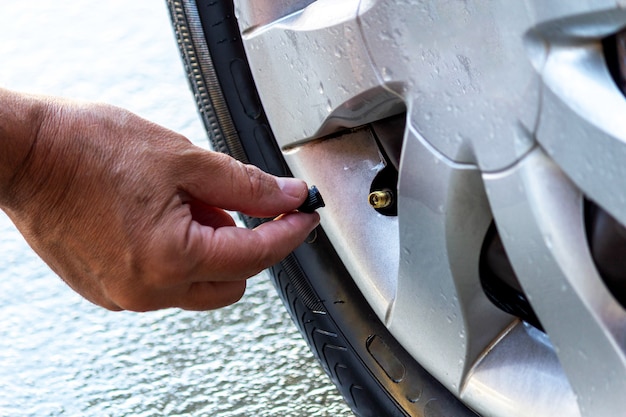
(254, 13)
(537, 203)
(439, 300)
(473, 104)
(583, 123)
(318, 55)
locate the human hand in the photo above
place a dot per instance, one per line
(131, 215)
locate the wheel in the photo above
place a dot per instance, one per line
(471, 155)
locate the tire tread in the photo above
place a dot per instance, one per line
(323, 301)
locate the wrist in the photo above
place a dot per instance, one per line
(21, 117)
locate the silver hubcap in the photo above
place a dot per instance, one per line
(512, 117)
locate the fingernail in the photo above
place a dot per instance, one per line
(292, 186)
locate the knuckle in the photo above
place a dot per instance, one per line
(209, 296)
(268, 255)
(165, 274)
(143, 286)
(257, 180)
(128, 297)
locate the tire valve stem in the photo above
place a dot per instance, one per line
(380, 199)
(313, 201)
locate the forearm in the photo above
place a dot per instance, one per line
(21, 116)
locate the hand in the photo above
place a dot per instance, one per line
(131, 215)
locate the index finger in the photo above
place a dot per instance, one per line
(222, 181)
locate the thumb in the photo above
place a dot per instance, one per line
(221, 181)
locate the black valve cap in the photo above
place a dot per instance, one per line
(313, 201)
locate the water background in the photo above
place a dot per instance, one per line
(61, 355)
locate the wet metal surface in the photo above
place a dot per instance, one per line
(60, 355)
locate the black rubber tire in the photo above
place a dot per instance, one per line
(376, 376)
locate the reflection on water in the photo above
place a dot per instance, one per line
(60, 355)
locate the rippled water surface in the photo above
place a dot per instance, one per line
(60, 355)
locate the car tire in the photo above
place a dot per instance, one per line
(375, 375)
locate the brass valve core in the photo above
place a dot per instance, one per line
(380, 199)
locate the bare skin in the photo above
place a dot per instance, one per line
(130, 214)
